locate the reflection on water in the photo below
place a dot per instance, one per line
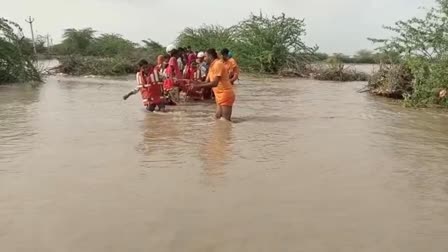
(307, 166)
(16, 116)
(216, 151)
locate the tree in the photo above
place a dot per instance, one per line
(267, 44)
(340, 57)
(321, 56)
(421, 46)
(110, 45)
(204, 37)
(78, 41)
(153, 48)
(427, 37)
(40, 44)
(16, 63)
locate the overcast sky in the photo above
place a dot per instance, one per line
(334, 25)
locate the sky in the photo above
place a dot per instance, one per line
(334, 25)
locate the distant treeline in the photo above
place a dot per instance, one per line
(361, 57)
(260, 43)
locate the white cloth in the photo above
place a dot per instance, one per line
(170, 48)
(180, 64)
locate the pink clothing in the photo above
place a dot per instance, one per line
(175, 68)
(191, 58)
(168, 84)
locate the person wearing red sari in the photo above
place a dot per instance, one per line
(173, 75)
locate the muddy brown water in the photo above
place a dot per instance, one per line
(307, 166)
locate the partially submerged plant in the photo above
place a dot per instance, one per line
(420, 48)
(16, 60)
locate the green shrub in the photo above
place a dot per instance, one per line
(421, 46)
(336, 70)
(89, 65)
(394, 81)
(268, 44)
(110, 45)
(205, 37)
(16, 58)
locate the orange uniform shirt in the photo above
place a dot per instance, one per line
(231, 66)
(224, 94)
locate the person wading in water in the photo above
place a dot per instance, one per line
(218, 79)
(230, 64)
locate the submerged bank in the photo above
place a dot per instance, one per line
(399, 82)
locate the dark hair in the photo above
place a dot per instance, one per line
(225, 52)
(174, 52)
(212, 52)
(142, 62)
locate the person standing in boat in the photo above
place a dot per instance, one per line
(191, 56)
(230, 64)
(218, 79)
(203, 66)
(173, 74)
(181, 58)
(160, 67)
(207, 93)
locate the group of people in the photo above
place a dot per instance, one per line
(199, 75)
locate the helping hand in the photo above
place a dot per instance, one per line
(193, 85)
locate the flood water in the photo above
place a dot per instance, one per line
(307, 166)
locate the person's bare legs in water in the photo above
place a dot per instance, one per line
(224, 112)
(227, 112)
(218, 113)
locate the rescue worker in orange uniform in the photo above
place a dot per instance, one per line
(230, 64)
(218, 79)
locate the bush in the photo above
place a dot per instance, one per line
(88, 65)
(365, 57)
(81, 53)
(205, 37)
(261, 43)
(421, 46)
(429, 79)
(16, 60)
(268, 44)
(332, 70)
(77, 41)
(394, 81)
(151, 50)
(335, 70)
(110, 45)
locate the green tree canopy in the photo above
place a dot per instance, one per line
(109, 45)
(204, 37)
(77, 41)
(267, 43)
